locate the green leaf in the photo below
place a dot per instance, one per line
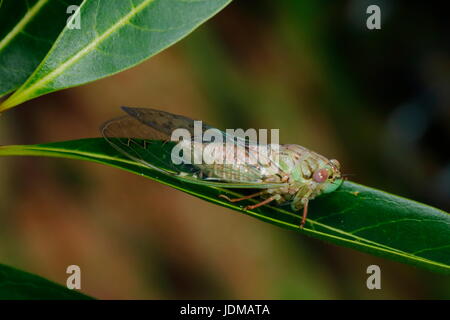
(111, 39)
(354, 216)
(28, 29)
(20, 285)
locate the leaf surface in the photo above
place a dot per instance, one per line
(112, 38)
(28, 29)
(19, 285)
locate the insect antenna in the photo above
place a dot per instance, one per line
(346, 175)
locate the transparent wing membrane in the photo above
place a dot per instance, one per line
(144, 135)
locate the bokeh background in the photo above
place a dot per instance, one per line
(376, 100)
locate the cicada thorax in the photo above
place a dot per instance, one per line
(298, 165)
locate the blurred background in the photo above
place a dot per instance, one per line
(377, 100)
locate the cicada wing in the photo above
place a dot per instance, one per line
(134, 139)
(144, 136)
(163, 122)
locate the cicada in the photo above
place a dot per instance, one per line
(286, 174)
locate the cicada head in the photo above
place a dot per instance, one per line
(328, 176)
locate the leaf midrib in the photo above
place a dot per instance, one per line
(31, 13)
(80, 54)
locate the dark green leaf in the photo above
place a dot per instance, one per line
(20, 285)
(111, 39)
(354, 216)
(28, 29)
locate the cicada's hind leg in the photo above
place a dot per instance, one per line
(243, 198)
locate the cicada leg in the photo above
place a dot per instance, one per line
(262, 203)
(243, 198)
(305, 213)
(304, 200)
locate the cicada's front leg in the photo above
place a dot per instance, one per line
(305, 213)
(301, 200)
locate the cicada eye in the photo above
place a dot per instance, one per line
(320, 175)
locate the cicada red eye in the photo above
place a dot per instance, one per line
(320, 175)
